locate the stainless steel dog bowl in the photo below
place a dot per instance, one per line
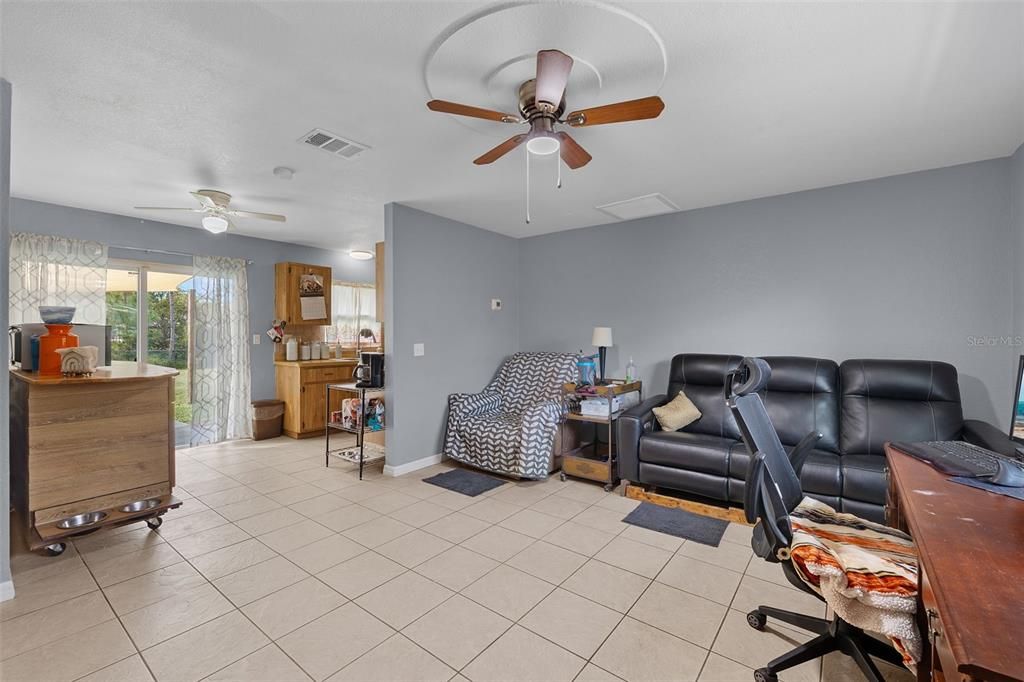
(140, 505)
(82, 520)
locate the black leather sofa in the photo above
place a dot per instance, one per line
(856, 407)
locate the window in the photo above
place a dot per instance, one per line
(354, 316)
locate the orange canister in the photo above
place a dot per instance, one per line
(56, 336)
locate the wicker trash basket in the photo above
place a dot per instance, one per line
(267, 419)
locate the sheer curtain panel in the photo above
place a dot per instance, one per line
(49, 270)
(220, 363)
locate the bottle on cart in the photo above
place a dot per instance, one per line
(630, 371)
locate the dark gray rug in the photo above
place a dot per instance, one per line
(463, 481)
(678, 522)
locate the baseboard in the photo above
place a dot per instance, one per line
(408, 467)
(6, 590)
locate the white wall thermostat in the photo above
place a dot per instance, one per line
(495, 304)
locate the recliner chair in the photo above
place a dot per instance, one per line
(772, 492)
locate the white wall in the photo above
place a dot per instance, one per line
(911, 266)
(441, 277)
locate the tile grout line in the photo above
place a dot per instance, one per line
(138, 652)
(533, 541)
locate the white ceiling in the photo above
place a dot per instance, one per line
(124, 104)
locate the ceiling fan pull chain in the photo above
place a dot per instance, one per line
(527, 186)
(558, 162)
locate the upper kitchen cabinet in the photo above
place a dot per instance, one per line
(302, 294)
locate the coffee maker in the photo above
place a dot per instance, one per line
(369, 373)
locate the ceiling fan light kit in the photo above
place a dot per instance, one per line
(215, 223)
(542, 105)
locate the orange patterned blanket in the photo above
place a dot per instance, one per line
(867, 572)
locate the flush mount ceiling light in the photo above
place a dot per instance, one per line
(361, 255)
(215, 223)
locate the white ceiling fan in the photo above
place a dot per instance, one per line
(214, 205)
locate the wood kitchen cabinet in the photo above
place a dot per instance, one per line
(287, 282)
(303, 386)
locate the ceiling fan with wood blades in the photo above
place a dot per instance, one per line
(217, 216)
(542, 105)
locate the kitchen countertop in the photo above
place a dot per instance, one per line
(119, 371)
(333, 362)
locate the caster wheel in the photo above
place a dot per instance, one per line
(757, 620)
(608, 487)
(155, 522)
(561, 476)
(55, 549)
(762, 675)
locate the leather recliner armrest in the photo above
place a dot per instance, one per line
(632, 425)
(985, 435)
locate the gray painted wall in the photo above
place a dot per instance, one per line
(5, 196)
(441, 277)
(32, 216)
(1017, 192)
(910, 266)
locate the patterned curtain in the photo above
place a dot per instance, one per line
(48, 270)
(220, 362)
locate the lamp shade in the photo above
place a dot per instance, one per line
(602, 337)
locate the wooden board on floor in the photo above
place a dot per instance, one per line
(733, 514)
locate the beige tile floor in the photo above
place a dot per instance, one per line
(277, 568)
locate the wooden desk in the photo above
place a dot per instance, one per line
(971, 548)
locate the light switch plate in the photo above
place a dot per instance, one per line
(256, 339)
(417, 350)
(495, 304)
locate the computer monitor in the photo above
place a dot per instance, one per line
(1017, 422)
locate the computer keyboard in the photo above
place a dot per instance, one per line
(956, 457)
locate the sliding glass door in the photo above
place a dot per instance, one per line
(149, 310)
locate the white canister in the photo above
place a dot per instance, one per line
(314, 351)
(291, 349)
(305, 351)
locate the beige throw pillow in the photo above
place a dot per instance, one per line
(678, 413)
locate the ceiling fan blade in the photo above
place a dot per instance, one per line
(572, 153)
(502, 149)
(633, 110)
(167, 208)
(262, 216)
(206, 201)
(466, 110)
(553, 69)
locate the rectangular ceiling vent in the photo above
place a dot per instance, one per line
(333, 144)
(639, 207)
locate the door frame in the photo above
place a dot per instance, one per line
(142, 303)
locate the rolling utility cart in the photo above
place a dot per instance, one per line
(354, 423)
(592, 460)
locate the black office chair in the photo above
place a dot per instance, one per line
(772, 492)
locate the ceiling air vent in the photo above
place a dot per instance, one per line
(333, 144)
(639, 207)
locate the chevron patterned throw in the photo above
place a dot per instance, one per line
(510, 426)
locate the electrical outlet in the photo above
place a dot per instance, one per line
(417, 350)
(495, 304)
(256, 339)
